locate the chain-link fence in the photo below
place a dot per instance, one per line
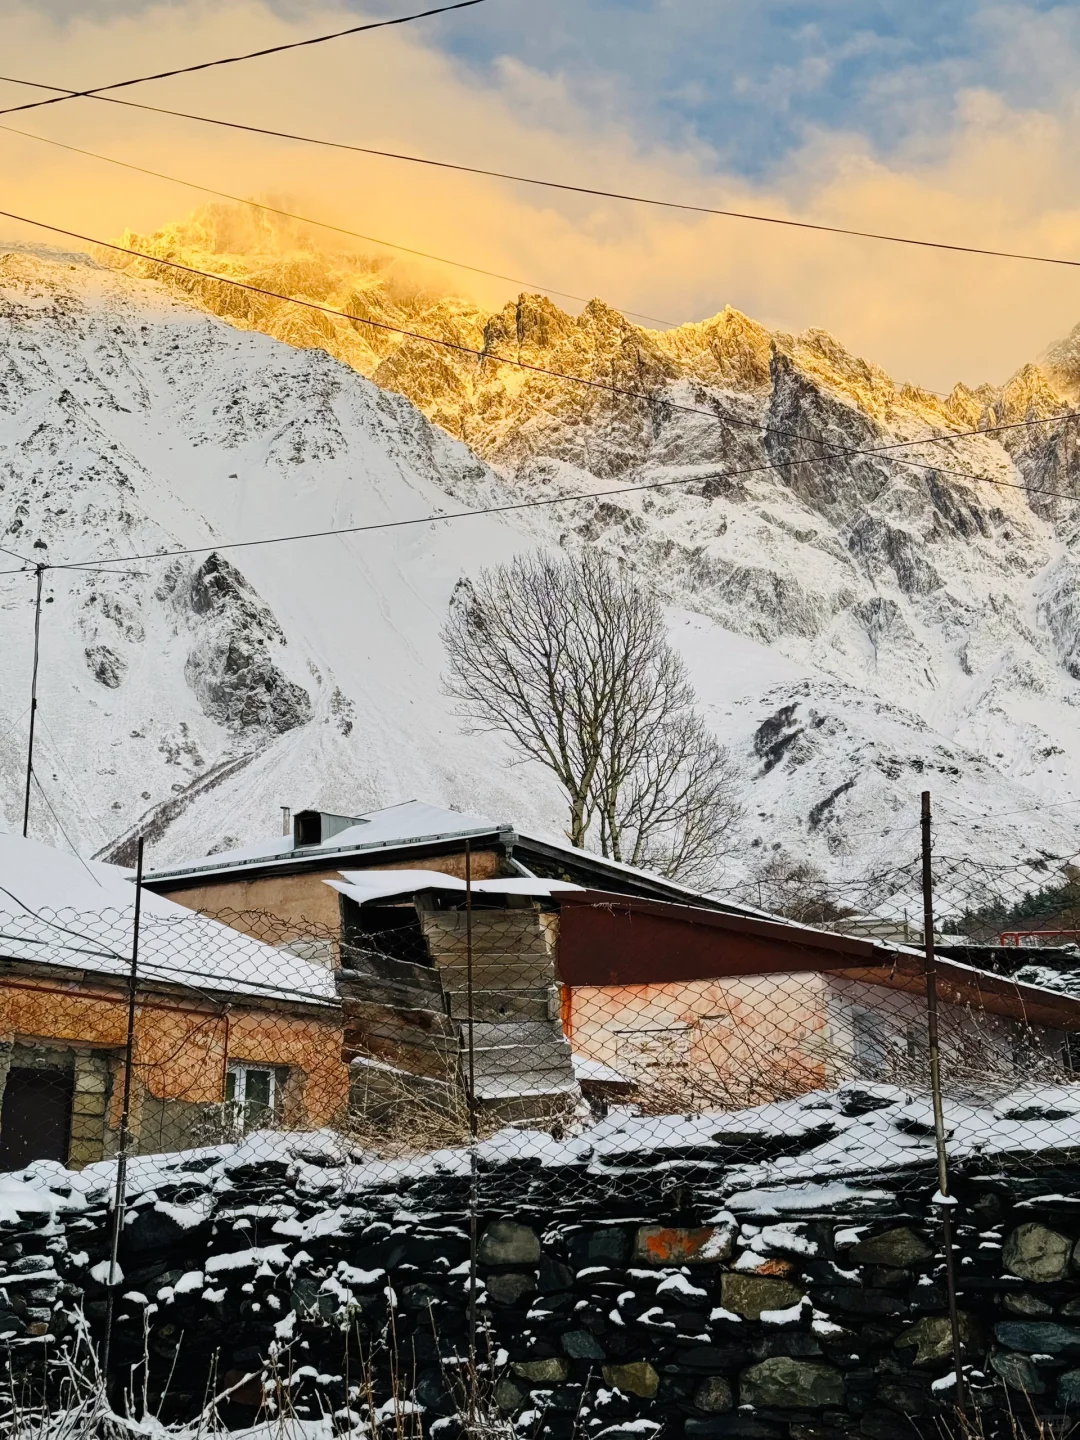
(519, 1047)
(427, 1019)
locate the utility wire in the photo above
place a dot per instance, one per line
(324, 225)
(630, 198)
(238, 59)
(1001, 814)
(513, 506)
(60, 826)
(602, 386)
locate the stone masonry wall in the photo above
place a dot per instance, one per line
(628, 1308)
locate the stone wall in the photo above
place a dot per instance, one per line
(627, 1307)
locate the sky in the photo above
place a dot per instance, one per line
(955, 120)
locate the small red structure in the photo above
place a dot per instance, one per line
(1038, 937)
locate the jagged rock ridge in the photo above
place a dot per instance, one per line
(892, 572)
(193, 701)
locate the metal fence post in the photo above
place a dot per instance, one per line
(120, 1194)
(473, 1131)
(943, 1199)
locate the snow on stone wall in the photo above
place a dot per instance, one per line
(668, 1293)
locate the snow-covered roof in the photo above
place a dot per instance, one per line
(58, 910)
(413, 822)
(367, 885)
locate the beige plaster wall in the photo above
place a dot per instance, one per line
(304, 903)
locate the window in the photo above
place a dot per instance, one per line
(251, 1093)
(871, 1044)
(653, 1047)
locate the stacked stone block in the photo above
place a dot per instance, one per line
(803, 1312)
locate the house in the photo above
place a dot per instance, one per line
(229, 1033)
(283, 877)
(588, 976)
(382, 896)
(737, 1009)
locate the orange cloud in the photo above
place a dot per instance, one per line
(999, 178)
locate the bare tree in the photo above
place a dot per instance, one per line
(798, 889)
(570, 659)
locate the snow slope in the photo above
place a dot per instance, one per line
(130, 423)
(193, 697)
(948, 595)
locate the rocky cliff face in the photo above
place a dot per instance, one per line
(757, 486)
(901, 609)
(205, 690)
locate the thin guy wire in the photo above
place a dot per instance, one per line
(41, 788)
(76, 787)
(238, 59)
(629, 198)
(337, 229)
(601, 386)
(10, 725)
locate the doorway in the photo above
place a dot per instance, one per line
(35, 1119)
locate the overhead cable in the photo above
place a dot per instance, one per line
(325, 225)
(236, 59)
(596, 191)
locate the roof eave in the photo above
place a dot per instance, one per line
(295, 862)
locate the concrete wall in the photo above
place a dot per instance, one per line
(766, 1036)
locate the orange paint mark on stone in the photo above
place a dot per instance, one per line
(775, 1267)
(672, 1245)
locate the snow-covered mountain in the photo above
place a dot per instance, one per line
(852, 627)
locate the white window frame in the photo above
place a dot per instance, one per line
(240, 1069)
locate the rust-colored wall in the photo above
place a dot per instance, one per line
(301, 901)
(745, 1039)
(182, 1054)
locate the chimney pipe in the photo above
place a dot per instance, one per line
(286, 820)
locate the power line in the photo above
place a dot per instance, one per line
(238, 59)
(628, 197)
(520, 364)
(325, 225)
(432, 519)
(1001, 814)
